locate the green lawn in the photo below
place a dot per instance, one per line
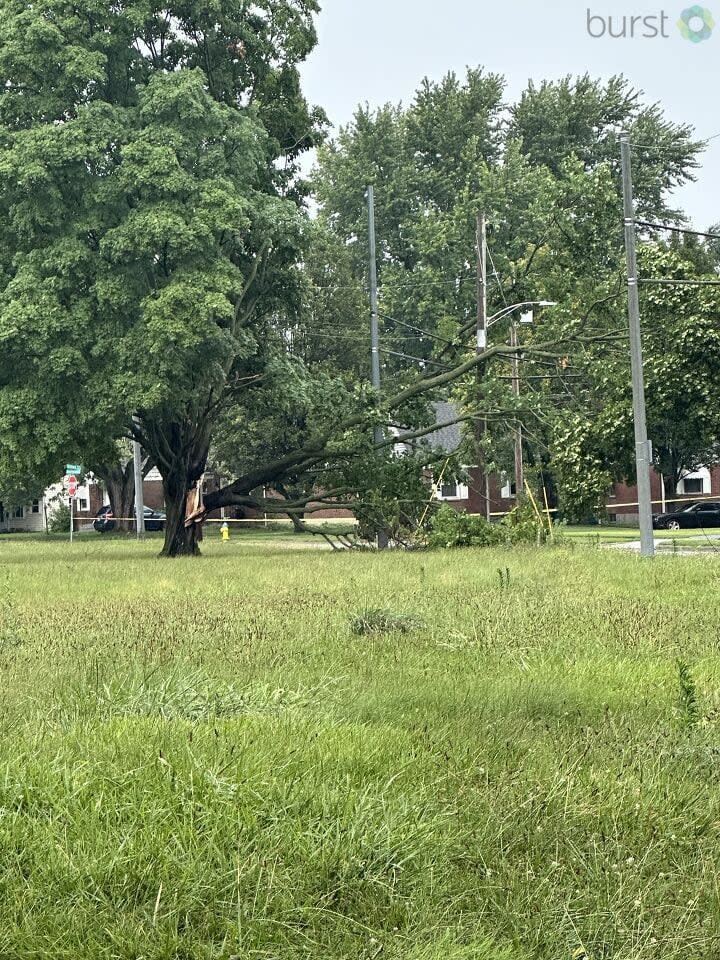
(200, 759)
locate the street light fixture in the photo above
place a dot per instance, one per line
(506, 311)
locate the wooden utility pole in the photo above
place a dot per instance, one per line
(518, 438)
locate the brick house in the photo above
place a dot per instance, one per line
(622, 501)
(490, 496)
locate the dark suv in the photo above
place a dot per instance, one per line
(704, 514)
(105, 521)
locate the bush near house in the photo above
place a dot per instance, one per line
(59, 519)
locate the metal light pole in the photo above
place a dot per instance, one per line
(382, 539)
(374, 327)
(482, 327)
(139, 499)
(643, 456)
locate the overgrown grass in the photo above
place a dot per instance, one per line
(201, 759)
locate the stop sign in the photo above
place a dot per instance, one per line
(72, 486)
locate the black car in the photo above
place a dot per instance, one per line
(105, 521)
(703, 514)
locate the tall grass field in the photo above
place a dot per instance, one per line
(277, 752)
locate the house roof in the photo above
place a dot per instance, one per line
(446, 439)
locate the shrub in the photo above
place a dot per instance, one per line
(523, 525)
(451, 528)
(59, 521)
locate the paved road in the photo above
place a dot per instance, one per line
(680, 547)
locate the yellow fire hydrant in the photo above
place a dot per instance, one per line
(225, 532)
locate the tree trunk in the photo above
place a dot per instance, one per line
(670, 482)
(181, 478)
(292, 494)
(120, 484)
(180, 541)
(297, 522)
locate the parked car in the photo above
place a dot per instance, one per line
(705, 513)
(105, 521)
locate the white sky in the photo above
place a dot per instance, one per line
(377, 51)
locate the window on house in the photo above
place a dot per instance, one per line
(35, 506)
(18, 513)
(83, 504)
(508, 490)
(693, 485)
(449, 490)
(452, 490)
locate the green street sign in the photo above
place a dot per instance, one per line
(73, 469)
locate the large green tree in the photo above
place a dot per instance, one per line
(151, 226)
(681, 346)
(546, 173)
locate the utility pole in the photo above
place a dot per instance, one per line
(374, 327)
(643, 456)
(482, 325)
(382, 539)
(519, 465)
(139, 499)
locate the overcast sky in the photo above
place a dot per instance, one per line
(377, 51)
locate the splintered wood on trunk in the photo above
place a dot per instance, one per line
(183, 501)
(180, 540)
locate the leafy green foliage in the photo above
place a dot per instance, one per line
(453, 528)
(548, 180)
(151, 230)
(395, 496)
(681, 348)
(59, 520)
(581, 117)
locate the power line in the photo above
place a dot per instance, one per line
(406, 356)
(685, 230)
(547, 376)
(404, 284)
(414, 284)
(409, 326)
(329, 335)
(681, 283)
(657, 147)
(497, 276)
